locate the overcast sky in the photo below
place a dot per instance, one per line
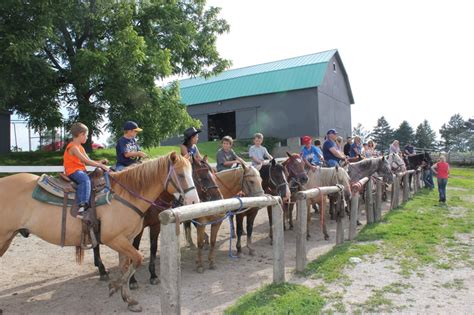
(406, 60)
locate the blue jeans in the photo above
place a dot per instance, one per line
(332, 163)
(83, 182)
(428, 179)
(442, 182)
(119, 167)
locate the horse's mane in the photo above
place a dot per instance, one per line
(366, 163)
(329, 177)
(149, 172)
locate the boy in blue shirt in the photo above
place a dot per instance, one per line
(127, 149)
(311, 154)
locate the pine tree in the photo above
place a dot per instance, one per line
(404, 134)
(382, 134)
(454, 134)
(425, 137)
(360, 131)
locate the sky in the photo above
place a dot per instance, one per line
(406, 60)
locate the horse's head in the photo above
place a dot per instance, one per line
(296, 173)
(397, 164)
(383, 170)
(274, 180)
(179, 181)
(204, 180)
(251, 181)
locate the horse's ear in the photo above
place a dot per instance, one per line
(273, 162)
(383, 157)
(337, 167)
(288, 153)
(173, 157)
(205, 158)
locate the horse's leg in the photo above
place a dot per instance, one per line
(250, 220)
(214, 229)
(5, 241)
(308, 218)
(200, 244)
(290, 215)
(104, 276)
(331, 209)
(323, 221)
(126, 252)
(240, 228)
(232, 229)
(136, 244)
(269, 212)
(154, 233)
(286, 209)
(187, 233)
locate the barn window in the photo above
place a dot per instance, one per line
(334, 67)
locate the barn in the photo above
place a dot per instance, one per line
(304, 95)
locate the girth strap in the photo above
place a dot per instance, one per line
(63, 220)
(128, 204)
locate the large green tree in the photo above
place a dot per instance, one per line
(454, 134)
(101, 58)
(404, 134)
(382, 134)
(360, 131)
(425, 137)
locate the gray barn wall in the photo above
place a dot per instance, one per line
(281, 115)
(334, 103)
(5, 132)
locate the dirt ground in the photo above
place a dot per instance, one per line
(37, 277)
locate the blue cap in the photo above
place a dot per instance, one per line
(131, 125)
(332, 131)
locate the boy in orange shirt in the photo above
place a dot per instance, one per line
(75, 161)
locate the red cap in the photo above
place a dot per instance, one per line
(306, 139)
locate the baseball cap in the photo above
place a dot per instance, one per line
(332, 131)
(306, 140)
(131, 125)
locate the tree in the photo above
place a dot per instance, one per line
(360, 131)
(382, 134)
(100, 59)
(469, 124)
(425, 137)
(404, 134)
(453, 134)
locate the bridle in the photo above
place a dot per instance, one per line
(275, 185)
(198, 179)
(245, 184)
(294, 176)
(172, 179)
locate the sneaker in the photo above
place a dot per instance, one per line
(81, 212)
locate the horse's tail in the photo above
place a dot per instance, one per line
(79, 255)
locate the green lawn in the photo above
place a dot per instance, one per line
(419, 233)
(56, 158)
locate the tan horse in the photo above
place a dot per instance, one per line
(119, 224)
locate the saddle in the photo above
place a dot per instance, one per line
(51, 189)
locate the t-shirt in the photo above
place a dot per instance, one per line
(259, 153)
(72, 162)
(126, 145)
(223, 156)
(442, 168)
(347, 148)
(311, 154)
(394, 149)
(410, 149)
(352, 152)
(327, 154)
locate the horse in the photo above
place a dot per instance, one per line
(297, 178)
(244, 179)
(324, 176)
(368, 167)
(121, 220)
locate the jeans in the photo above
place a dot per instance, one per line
(442, 182)
(332, 163)
(428, 179)
(83, 186)
(119, 167)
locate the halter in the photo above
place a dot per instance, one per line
(177, 186)
(244, 183)
(271, 181)
(203, 188)
(294, 176)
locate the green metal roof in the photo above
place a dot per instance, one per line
(278, 76)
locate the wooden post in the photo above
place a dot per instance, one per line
(170, 266)
(415, 183)
(278, 245)
(378, 201)
(301, 227)
(354, 214)
(369, 202)
(406, 187)
(396, 190)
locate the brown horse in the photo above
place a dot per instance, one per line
(244, 179)
(119, 224)
(297, 178)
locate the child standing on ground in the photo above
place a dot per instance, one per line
(75, 161)
(226, 157)
(441, 170)
(258, 153)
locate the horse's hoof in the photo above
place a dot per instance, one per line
(291, 227)
(104, 277)
(191, 246)
(251, 252)
(154, 281)
(358, 222)
(136, 308)
(326, 237)
(200, 269)
(113, 287)
(133, 285)
(271, 242)
(308, 237)
(212, 266)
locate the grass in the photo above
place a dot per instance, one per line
(419, 233)
(56, 158)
